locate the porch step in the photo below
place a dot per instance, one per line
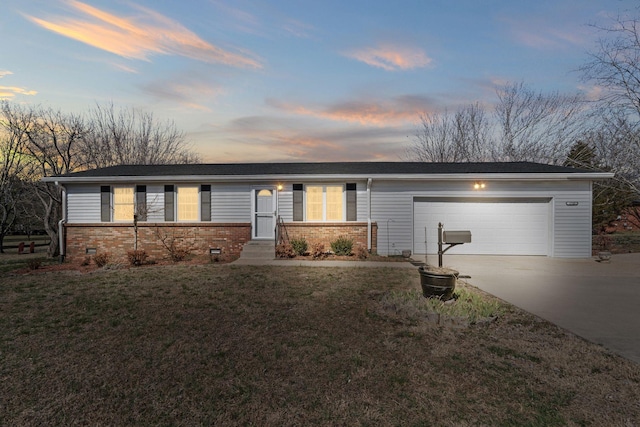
(258, 249)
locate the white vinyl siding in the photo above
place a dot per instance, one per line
(230, 203)
(155, 203)
(83, 203)
(569, 226)
(572, 223)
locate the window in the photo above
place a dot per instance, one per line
(314, 203)
(324, 203)
(334, 204)
(188, 203)
(123, 202)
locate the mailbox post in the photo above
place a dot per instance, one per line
(451, 238)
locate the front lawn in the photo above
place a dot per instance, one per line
(240, 345)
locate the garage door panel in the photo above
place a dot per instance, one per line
(508, 228)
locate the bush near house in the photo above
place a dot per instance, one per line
(342, 246)
(300, 246)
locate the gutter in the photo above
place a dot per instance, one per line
(61, 223)
(369, 237)
(334, 177)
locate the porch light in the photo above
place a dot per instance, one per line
(478, 185)
(279, 187)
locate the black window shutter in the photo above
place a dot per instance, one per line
(352, 206)
(169, 203)
(205, 203)
(141, 202)
(105, 203)
(298, 208)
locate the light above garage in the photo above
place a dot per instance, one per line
(479, 185)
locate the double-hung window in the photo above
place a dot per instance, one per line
(324, 203)
(123, 203)
(188, 203)
(329, 202)
(120, 203)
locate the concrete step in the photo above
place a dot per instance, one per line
(258, 249)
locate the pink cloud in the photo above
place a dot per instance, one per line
(140, 37)
(390, 112)
(539, 34)
(392, 58)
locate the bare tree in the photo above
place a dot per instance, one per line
(615, 64)
(524, 126)
(13, 166)
(462, 136)
(51, 141)
(132, 136)
(534, 126)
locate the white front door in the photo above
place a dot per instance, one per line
(264, 215)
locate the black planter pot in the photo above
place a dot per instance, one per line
(437, 284)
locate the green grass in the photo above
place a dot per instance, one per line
(228, 345)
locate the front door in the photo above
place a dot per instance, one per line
(264, 216)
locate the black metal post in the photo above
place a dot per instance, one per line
(440, 225)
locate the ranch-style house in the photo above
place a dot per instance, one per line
(516, 208)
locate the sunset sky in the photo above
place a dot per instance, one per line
(292, 80)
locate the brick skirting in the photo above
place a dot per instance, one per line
(327, 232)
(117, 239)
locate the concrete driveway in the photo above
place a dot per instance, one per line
(599, 302)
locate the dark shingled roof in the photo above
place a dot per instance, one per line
(324, 168)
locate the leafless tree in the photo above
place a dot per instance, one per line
(14, 169)
(534, 126)
(131, 136)
(615, 64)
(523, 126)
(462, 136)
(51, 142)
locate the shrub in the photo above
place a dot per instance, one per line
(102, 259)
(342, 246)
(136, 258)
(362, 252)
(318, 252)
(34, 264)
(300, 246)
(85, 261)
(603, 241)
(285, 250)
(177, 254)
(175, 246)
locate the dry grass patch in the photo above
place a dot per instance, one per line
(229, 345)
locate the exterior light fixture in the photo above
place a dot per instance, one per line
(280, 187)
(478, 185)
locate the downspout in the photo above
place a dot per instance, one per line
(62, 222)
(369, 237)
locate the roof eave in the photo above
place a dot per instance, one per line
(589, 176)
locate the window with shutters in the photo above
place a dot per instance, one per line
(324, 203)
(123, 203)
(188, 205)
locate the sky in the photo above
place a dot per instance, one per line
(293, 80)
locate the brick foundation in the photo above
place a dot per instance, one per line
(327, 232)
(117, 239)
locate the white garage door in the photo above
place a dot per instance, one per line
(498, 226)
